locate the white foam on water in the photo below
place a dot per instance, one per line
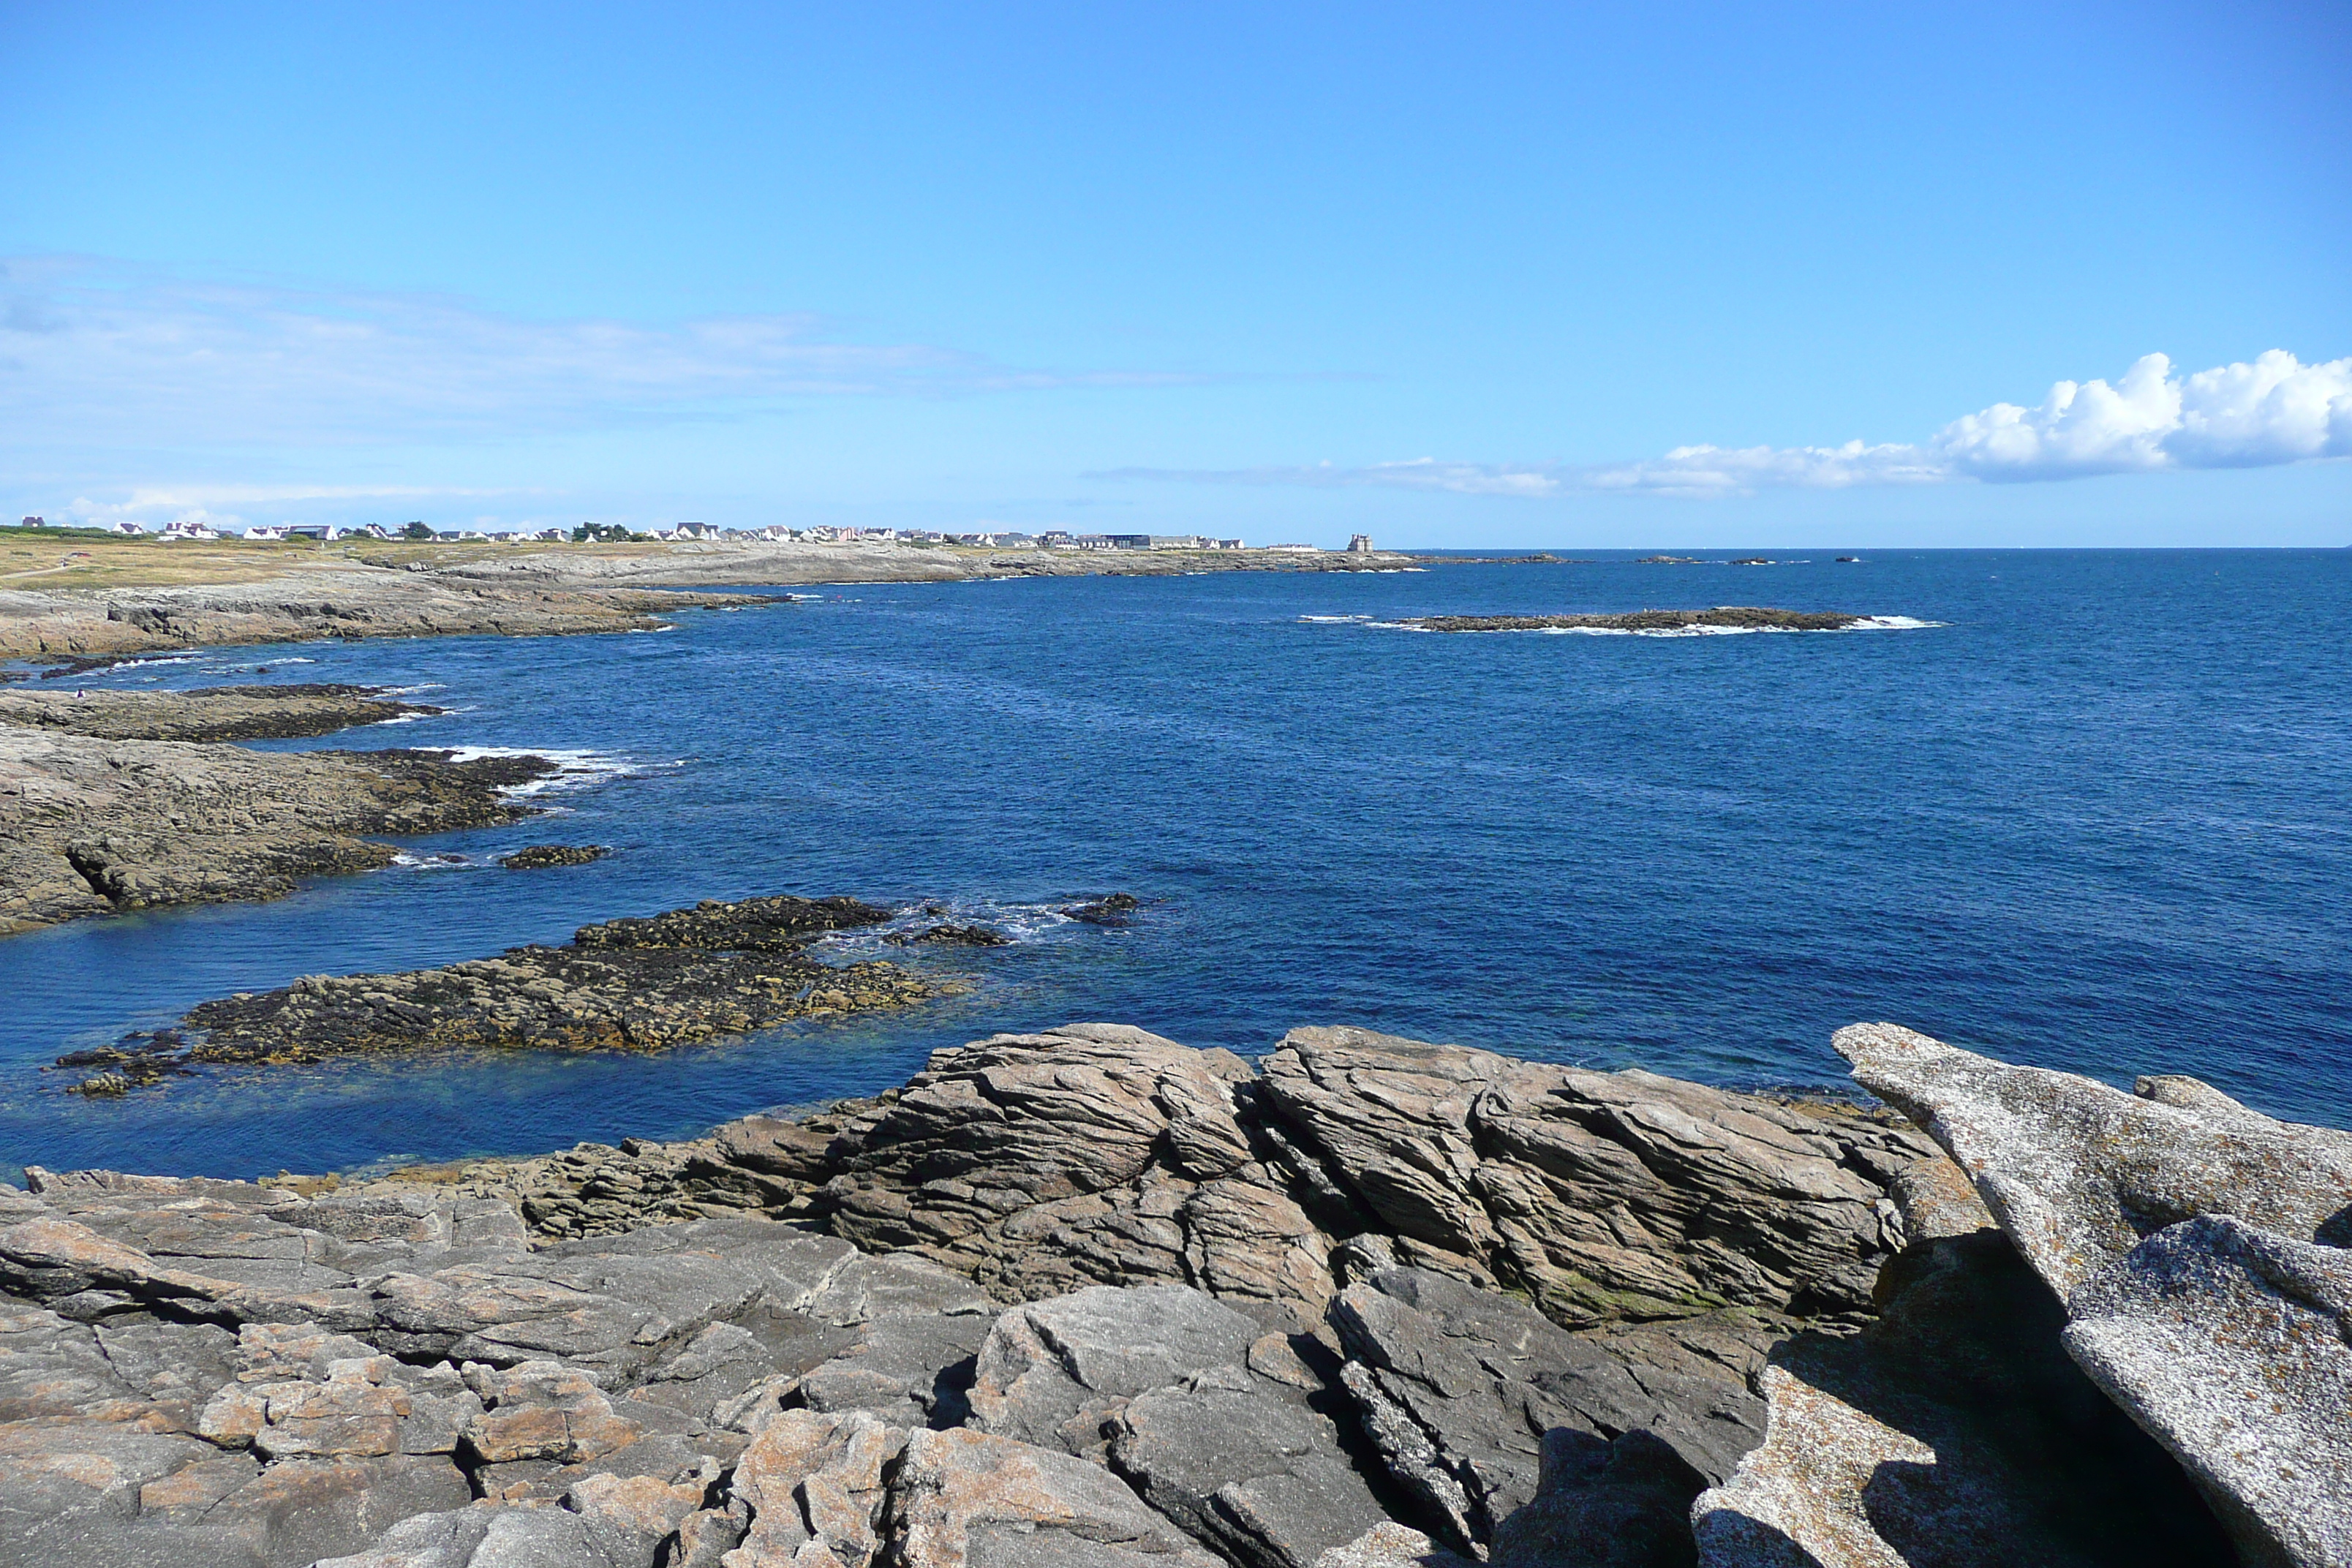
(410, 691)
(1333, 620)
(1020, 922)
(575, 768)
(649, 631)
(405, 861)
(403, 719)
(1893, 623)
(145, 663)
(1395, 626)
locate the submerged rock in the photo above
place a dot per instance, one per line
(953, 936)
(1112, 910)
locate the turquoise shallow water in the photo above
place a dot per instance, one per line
(2097, 818)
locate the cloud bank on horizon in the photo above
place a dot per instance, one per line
(2273, 410)
(93, 348)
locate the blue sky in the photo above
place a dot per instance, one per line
(1462, 275)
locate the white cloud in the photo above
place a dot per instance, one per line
(2275, 410)
(94, 353)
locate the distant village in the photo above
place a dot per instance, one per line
(612, 533)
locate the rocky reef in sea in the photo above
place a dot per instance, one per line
(1723, 617)
(1091, 1299)
(633, 985)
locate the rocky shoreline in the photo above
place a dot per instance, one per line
(307, 606)
(143, 596)
(1732, 617)
(208, 713)
(1090, 1298)
(117, 801)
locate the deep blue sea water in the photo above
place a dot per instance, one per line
(2099, 818)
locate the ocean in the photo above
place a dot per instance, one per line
(2089, 810)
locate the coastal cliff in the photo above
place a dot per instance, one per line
(1090, 1296)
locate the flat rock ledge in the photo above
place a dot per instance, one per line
(112, 802)
(1091, 1297)
(1731, 617)
(209, 713)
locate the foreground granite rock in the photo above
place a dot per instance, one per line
(1150, 1309)
(2199, 1249)
(209, 713)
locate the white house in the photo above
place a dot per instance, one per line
(266, 530)
(187, 528)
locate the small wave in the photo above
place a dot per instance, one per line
(1894, 624)
(575, 768)
(401, 719)
(649, 631)
(407, 691)
(1394, 626)
(293, 661)
(405, 861)
(1333, 620)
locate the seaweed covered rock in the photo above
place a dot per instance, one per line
(546, 856)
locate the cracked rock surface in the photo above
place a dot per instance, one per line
(1087, 1299)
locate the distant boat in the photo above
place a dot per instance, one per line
(1849, 560)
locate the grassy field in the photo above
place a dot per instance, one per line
(86, 558)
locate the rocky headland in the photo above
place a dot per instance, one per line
(346, 602)
(208, 713)
(638, 984)
(1733, 617)
(116, 801)
(1090, 1298)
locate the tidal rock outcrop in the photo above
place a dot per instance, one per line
(91, 827)
(1730, 617)
(208, 713)
(2200, 1250)
(637, 984)
(544, 856)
